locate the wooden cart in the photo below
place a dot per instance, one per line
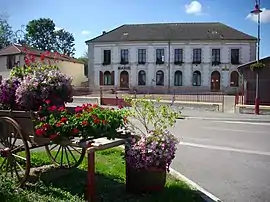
(17, 138)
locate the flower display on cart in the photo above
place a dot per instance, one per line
(60, 122)
(42, 87)
(31, 84)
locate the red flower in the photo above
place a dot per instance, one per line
(90, 109)
(40, 132)
(47, 102)
(42, 57)
(78, 109)
(104, 122)
(52, 108)
(53, 136)
(95, 106)
(85, 123)
(46, 126)
(75, 131)
(47, 53)
(32, 58)
(120, 106)
(61, 109)
(27, 62)
(96, 121)
(63, 119)
(59, 124)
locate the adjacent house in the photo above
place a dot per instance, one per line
(169, 56)
(14, 55)
(249, 81)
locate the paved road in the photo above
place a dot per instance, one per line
(230, 159)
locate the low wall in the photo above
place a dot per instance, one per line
(179, 104)
(83, 99)
(206, 106)
(249, 109)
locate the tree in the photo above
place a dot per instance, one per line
(41, 34)
(84, 59)
(6, 33)
(64, 42)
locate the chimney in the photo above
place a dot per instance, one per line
(104, 32)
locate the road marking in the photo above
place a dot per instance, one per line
(220, 119)
(225, 148)
(234, 130)
(244, 122)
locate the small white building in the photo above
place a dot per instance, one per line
(174, 56)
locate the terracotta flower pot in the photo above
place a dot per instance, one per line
(142, 180)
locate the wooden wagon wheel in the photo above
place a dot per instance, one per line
(65, 155)
(14, 151)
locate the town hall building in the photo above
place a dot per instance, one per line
(169, 56)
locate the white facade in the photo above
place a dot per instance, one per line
(247, 51)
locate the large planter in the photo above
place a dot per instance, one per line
(145, 180)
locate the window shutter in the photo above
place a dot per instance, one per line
(112, 75)
(101, 80)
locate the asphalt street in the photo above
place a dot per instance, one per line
(230, 159)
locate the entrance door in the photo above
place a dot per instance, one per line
(215, 81)
(124, 79)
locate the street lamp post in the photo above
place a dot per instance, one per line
(257, 11)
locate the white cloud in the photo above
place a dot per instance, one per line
(58, 28)
(85, 32)
(265, 16)
(194, 7)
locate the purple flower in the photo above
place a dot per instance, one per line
(154, 149)
(42, 85)
(8, 89)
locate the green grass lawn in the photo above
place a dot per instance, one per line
(69, 185)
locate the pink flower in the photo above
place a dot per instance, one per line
(78, 109)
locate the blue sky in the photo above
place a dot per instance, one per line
(88, 18)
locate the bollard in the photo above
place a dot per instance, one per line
(91, 176)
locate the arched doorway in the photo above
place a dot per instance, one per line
(234, 79)
(160, 78)
(124, 79)
(215, 81)
(178, 78)
(196, 78)
(141, 78)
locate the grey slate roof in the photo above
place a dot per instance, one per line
(173, 32)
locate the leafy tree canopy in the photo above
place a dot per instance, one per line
(41, 34)
(84, 59)
(64, 42)
(6, 33)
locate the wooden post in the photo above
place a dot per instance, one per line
(100, 96)
(116, 98)
(91, 176)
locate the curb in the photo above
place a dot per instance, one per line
(205, 195)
